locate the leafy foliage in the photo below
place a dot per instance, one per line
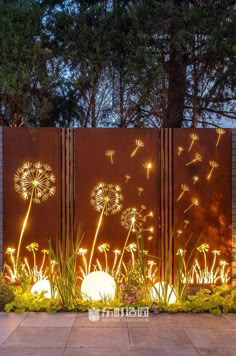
(64, 277)
(6, 292)
(26, 301)
(117, 63)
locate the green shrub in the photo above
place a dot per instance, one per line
(6, 292)
(26, 301)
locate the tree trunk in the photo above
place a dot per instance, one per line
(177, 85)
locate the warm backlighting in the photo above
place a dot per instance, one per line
(148, 166)
(98, 285)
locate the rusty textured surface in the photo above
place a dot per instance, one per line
(21, 145)
(212, 218)
(93, 166)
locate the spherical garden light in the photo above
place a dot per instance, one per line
(98, 285)
(42, 286)
(163, 292)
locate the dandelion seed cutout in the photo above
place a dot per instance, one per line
(139, 144)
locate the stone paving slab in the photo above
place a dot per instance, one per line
(31, 351)
(98, 337)
(5, 332)
(204, 321)
(38, 337)
(212, 338)
(94, 351)
(216, 352)
(159, 337)
(71, 334)
(102, 322)
(49, 320)
(12, 319)
(163, 352)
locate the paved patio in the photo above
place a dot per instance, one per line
(69, 334)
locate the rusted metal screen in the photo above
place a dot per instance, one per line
(94, 165)
(22, 147)
(202, 200)
(187, 188)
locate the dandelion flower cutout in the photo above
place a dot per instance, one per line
(35, 180)
(107, 198)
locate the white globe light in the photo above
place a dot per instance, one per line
(158, 292)
(40, 286)
(98, 285)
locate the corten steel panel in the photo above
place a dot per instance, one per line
(22, 145)
(212, 218)
(93, 166)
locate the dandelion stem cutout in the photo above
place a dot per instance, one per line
(139, 144)
(220, 132)
(194, 138)
(185, 188)
(110, 153)
(213, 165)
(197, 158)
(148, 166)
(195, 202)
(33, 182)
(106, 199)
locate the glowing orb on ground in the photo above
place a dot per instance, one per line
(98, 285)
(42, 286)
(161, 291)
